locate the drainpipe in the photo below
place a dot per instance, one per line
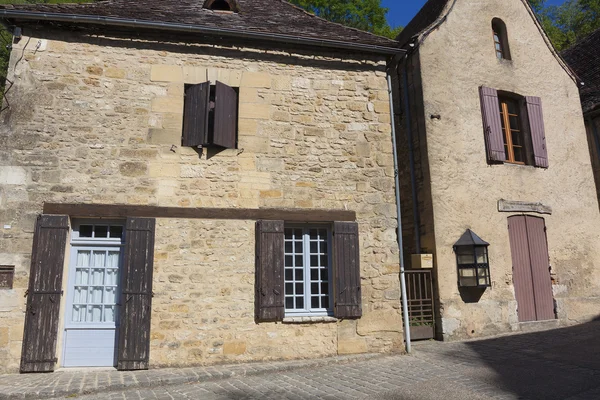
(399, 217)
(411, 159)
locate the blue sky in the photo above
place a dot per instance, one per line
(402, 11)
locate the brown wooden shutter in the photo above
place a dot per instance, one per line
(136, 295)
(195, 115)
(522, 279)
(492, 124)
(346, 269)
(538, 133)
(226, 101)
(269, 297)
(38, 353)
(540, 268)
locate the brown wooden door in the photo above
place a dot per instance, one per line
(531, 269)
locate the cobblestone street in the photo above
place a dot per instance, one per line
(554, 364)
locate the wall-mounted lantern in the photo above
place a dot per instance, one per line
(472, 261)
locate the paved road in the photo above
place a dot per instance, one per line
(552, 365)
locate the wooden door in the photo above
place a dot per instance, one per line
(531, 269)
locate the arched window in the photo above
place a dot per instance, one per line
(500, 39)
(221, 5)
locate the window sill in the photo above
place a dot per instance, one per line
(308, 320)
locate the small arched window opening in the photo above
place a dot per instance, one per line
(221, 5)
(500, 39)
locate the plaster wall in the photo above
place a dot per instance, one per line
(456, 59)
(98, 119)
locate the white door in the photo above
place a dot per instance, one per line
(91, 318)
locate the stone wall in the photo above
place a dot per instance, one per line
(456, 59)
(95, 119)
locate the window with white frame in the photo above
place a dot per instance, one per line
(307, 271)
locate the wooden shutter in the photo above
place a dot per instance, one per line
(540, 268)
(226, 101)
(522, 279)
(136, 295)
(195, 115)
(538, 133)
(492, 124)
(346, 269)
(38, 353)
(269, 297)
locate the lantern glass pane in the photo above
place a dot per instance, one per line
(467, 272)
(481, 253)
(468, 281)
(465, 255)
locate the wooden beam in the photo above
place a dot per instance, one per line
(123, 210)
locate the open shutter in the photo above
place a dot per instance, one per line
(538, 133)
(346, 264)
(492, 124)
(226, 101)
(269, 297)
(195, 115)
(136, 295)
(38, 353)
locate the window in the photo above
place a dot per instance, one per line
(307, 270)
(513, 128)
(500, 39)
(221, 5)
(210, 115)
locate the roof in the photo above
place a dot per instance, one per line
(584, 59)
(255, 16)
(469, 238)
(429, 13)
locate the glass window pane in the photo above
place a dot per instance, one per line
(109, 314)
(112, 260)
(288, 233)
(512, 107)
(299, 274)
(95, 295)
(289, 274)
(314, 234)
(314, 288)
(101, 231)
(289, 261)
(299, 261)
(98, 258)
(83, 258)
(97, 276)
(78, 313)
(314, 261)
(325, 301)
(289, 302)
(116, 231)
(325, 274)
(288, 247)
(314, 302)
(518, 151)
(324, 288)
(300, 288)
(80, 295)
(314, 248)
(298, 233)
(289, 288)
(298, 247)
(514, 123)
(110, 295)
(324, 246)
(314, 274)
(112, 277)
(94, 314)
(81, 276)
(85, 231)
(299, 303)
(324, 261)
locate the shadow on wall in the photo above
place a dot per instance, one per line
(553, 364)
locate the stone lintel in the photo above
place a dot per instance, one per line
(523, 206)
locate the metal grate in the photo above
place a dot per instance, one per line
(419, 290)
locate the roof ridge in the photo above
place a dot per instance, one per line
(335, 23)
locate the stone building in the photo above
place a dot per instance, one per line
(188, 182)
(493, 137)
(584, 59)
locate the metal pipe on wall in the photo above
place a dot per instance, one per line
(399, 218)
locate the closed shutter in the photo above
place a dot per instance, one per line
(521, 263)
(225, 116)
(492, 125)
(136, 295)
(38, 353)
(269, 297)
(195, 115)
(346, 267)
(538, 133)
(540, 268)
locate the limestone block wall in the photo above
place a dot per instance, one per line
(97, 119)
(466, 190)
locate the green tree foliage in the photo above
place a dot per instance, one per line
(569, 22)
(366, 15)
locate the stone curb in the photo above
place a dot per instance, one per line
(64, 383)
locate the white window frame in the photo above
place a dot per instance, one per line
(308, 311)
(104, 244)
